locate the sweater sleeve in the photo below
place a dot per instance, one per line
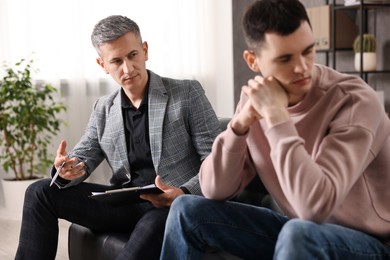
(315, 185)
(228, 168)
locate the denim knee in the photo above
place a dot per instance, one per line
(185, 210)
(184, 203)
(297, 230)
(298, 239)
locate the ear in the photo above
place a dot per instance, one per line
(145, 47)
(250, 58)
(101, 64)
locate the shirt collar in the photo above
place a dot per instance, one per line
(126, 103)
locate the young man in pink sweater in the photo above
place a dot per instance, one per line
(319, 141)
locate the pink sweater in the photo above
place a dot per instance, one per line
(329, 163)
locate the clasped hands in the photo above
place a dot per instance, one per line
(266, 99)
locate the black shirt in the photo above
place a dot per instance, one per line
(137, 140)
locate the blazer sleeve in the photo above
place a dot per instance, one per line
(88, 149)
(204, 127)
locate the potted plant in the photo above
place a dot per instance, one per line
(28, 120)
(365, 46)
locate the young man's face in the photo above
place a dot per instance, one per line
(289, 59)
(125, 60)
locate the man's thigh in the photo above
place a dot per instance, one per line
(75, 205)
(240, 229)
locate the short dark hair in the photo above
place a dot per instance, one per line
(277, 16)
(111, 28)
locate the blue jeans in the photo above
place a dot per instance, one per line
(196, 224)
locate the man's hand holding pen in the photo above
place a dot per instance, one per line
(68, 168)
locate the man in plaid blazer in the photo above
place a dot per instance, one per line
(152, 130)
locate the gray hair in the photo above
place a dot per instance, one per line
(111, 28)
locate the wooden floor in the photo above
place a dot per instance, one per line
(9, 237)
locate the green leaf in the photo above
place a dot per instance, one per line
(28, 119)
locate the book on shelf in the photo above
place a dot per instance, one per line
(357, 2)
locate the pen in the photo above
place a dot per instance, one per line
(57, 173)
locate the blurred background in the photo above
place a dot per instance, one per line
(187, 39)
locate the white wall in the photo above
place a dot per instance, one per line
(224, 87)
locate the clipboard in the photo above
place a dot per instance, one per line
(119, 197)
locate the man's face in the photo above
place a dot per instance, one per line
(125, 60)
(290, 60)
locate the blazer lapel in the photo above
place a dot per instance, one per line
(158, 100)
(116, 122)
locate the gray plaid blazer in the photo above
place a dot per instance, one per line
(182, 128)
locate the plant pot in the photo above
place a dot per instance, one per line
(369, 61)
(14, 196)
